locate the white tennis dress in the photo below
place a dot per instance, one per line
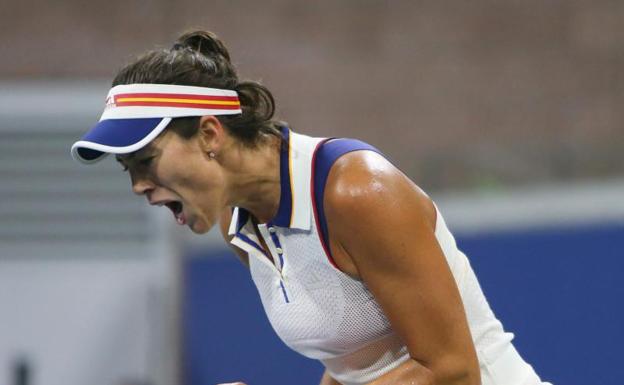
(322, 313)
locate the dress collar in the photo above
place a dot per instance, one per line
(295, 169)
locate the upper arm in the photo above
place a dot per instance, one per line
(224, 225)
(384, 223)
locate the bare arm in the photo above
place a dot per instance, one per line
(328, 380)
(406, 373)
(381, 229)
(410, 372)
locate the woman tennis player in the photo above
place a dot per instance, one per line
(354, 264)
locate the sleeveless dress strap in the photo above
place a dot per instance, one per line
(324, 157)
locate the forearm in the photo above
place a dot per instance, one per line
(412, 372)
(328, 380)
(409, 373)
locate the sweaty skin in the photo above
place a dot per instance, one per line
(381, 230)
(172, 168)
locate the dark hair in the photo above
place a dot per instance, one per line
(199, 58)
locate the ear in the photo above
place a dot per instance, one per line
(211, 133)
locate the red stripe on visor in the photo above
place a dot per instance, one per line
(135, 114)
(176, 96)
(177, 104)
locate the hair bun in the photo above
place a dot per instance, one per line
(204, 42)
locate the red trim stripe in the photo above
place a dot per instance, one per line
(314, 207)
(178, 96)
(173, 104)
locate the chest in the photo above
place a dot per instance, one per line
(274, 254)
(315, 308)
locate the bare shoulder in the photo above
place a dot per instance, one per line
(381, 223)
(365, 183)
(366, 193)
(224, 225)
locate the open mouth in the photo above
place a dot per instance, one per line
(176, 208)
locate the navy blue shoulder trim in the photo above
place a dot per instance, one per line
(324, 158)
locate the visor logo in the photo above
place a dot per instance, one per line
(110, 103)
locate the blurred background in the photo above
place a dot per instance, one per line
(509, 113)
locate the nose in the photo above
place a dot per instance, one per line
(142, 186)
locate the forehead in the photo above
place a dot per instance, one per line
(128, 157)
(156, 146)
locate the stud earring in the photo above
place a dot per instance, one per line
(211, 154)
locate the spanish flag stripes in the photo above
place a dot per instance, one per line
(177, 100)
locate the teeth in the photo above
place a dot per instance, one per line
(179, 217)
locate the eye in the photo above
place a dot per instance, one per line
(124, 167)
(145, 162)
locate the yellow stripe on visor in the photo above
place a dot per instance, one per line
(171, 100)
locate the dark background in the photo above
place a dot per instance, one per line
(460, 94)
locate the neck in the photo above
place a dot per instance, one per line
(254, 178)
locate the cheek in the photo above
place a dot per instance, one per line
(178, 177)
(201, 186)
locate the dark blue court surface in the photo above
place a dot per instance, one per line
(560, 291)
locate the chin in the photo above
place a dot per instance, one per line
(199, 227)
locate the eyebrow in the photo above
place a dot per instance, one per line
(132, 155)
(148, 151)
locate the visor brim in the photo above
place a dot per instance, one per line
(117, 136)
